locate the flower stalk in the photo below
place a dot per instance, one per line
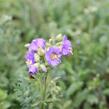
(44, 92)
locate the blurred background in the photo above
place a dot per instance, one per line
(84, 82)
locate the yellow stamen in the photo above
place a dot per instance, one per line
(54, 56)
(28, 62)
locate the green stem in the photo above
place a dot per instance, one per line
(44, 91)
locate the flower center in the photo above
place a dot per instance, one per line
(54, 56)
(28, 62)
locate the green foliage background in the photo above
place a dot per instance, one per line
(83, 81)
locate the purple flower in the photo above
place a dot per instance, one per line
(37, 43)
(39, 53)
(53, 56)
(30, 62)
(32, 69)
(30, 58)
(66, 46)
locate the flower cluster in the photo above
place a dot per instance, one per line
(42, 54)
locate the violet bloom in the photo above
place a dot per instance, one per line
(29, 57)
(37, 43)
(53, 56)
(32, 69)
(66, 46)
(30, 62)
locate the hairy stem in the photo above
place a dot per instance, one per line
(44, 91)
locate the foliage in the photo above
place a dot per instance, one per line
(83, 81)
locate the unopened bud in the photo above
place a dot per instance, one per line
(59, 37)
(37, 57)
(27, 45)
(59, 44)
(48, 45)
(43, 67)
(51, 39)
(41, 51)
(37, 65)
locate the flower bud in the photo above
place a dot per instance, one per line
(36, 65)
(59, 44)
(37, 57)
(48, 45)
(50, 40)
(43, 67)
(59, 37)
(27, 45)
(41, 51)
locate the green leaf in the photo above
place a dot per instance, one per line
(92, 99)
(80, 98)
(73, 88)
(3, 94)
